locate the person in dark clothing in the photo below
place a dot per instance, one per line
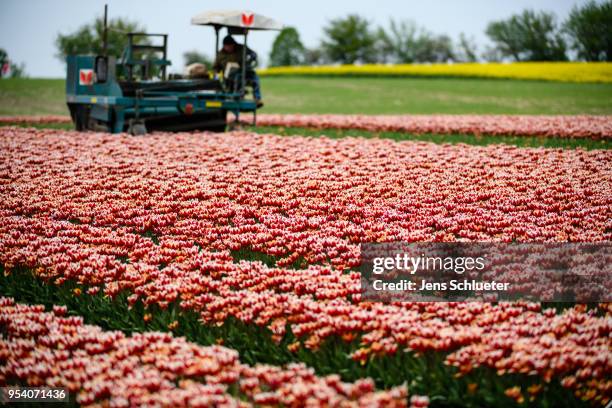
(232, 52)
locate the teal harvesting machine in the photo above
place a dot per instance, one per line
(134, 93)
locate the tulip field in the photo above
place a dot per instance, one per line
(209, 269)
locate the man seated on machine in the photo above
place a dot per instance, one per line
(231, 53)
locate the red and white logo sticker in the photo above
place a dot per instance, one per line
(86, 77)
(247, 19)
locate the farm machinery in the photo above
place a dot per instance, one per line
(134, 93)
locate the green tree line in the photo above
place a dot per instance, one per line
(528, 36)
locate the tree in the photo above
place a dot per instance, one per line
(314, 56)
(9, 68)
(4, 63)
(528, 36)
(87, 40)
(399, 43)
(590, 30)
(406, 42)
(434, 48)
(193, 56)
(287, 48)
(349, 40)
(385, 52)
(466, 49)
(17, 70)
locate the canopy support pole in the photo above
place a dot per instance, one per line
(217, 28)
(244, 61)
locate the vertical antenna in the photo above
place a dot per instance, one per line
(105, 32)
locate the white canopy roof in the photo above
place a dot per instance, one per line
(236, 18)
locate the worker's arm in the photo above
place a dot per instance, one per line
(218, 65)
(251, 58)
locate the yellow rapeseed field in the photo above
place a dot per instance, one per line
(548, 71)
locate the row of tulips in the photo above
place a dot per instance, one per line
(159, 217)
(26, 119)
(40, 348)
(593, 127)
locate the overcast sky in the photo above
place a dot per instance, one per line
(28, 28)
